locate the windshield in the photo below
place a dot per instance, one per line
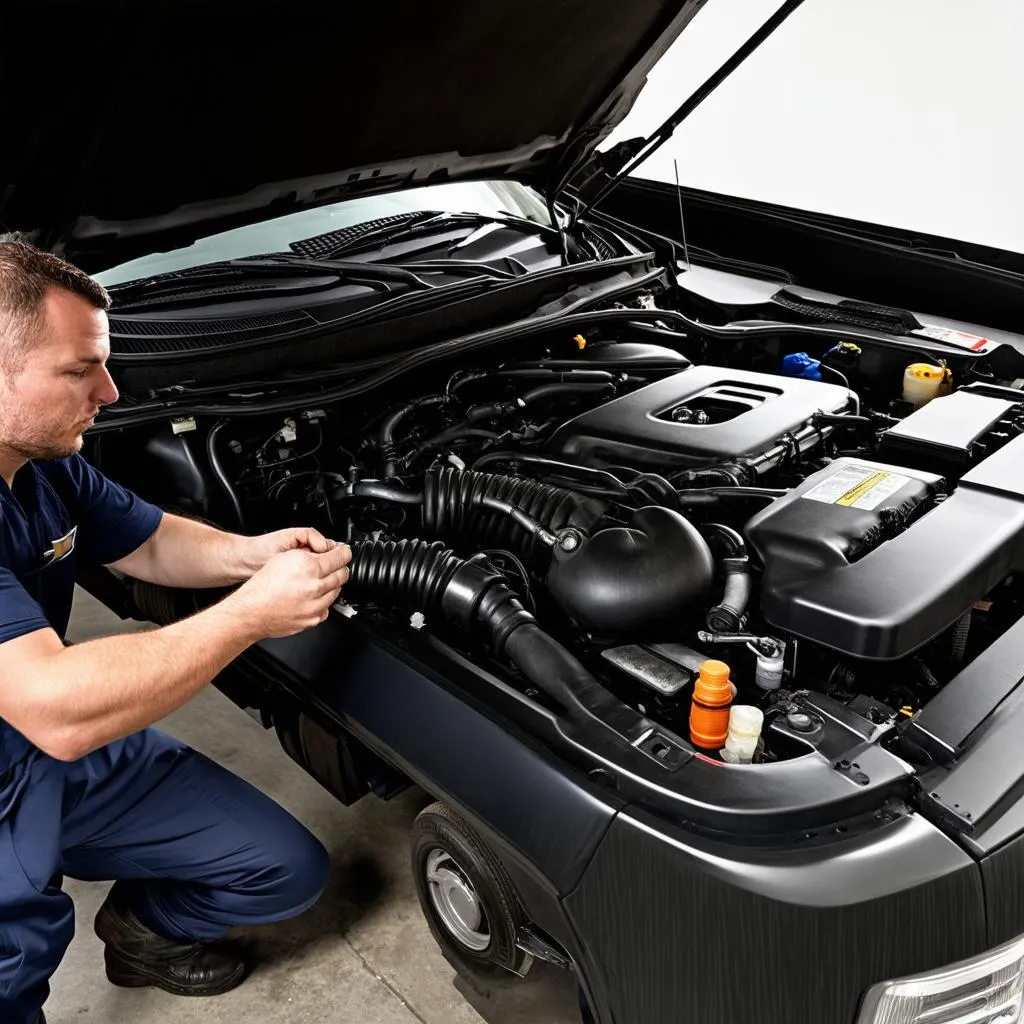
(489, 198)
(898, 114)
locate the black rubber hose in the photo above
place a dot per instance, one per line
(598, 477)
(385, 492)
(733, 542)
(727, 615)
(386, 439)
(693, 476)
(566, 376)
(452, 510)
(838, 419)
(218, 471)
(490, 410)
(430, 578)
(458, 432)
(547, 390)
(556, 672)
(652, 489)
(411, 572)
(528, 523)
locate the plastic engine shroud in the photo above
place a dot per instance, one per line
(697, 417)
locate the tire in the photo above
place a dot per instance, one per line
(445, 847)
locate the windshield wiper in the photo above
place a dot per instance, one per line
(258, 276)
(513, 268)
(425, 224)
(270, 266)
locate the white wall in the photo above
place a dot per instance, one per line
(901, 112)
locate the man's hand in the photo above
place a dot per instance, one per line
(257, 551)
(185, 553)
(72, 700)
(293, 591)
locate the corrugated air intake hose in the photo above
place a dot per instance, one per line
(428, 577)
(464, 506)
(636, 576)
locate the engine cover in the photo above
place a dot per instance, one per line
(695, 418)
(833, 574)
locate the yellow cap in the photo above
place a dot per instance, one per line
(925, 371)
(581, 342)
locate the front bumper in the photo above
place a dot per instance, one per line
(665, 923)
(697, 929)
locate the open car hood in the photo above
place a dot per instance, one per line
(145, 126)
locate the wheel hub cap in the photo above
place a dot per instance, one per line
(456, 901)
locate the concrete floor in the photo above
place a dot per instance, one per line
(362, 955)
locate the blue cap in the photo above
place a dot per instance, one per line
(800, 364)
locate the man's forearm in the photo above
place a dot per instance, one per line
(104, 689)
(186, 553)
(72, 700)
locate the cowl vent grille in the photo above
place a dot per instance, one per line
(159, 337)
(321, 246)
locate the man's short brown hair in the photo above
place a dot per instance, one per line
(26, 274)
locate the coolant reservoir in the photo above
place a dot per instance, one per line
(745, 723)
(922, 382)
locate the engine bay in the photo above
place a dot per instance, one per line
(624, 518)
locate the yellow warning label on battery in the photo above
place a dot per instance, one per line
(854, 494)
(856, 486)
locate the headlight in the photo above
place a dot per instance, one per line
(986, 989)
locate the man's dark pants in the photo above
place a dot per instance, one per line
(205, 851)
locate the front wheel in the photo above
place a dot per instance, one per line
(466, 897)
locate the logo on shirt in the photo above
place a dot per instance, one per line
(62, 547)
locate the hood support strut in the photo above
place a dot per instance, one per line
(633, 156)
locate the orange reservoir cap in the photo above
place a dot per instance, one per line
(709, 709)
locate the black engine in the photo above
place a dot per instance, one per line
(615, 514)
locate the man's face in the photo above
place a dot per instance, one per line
(55, 395)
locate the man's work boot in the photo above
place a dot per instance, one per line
(136, 957)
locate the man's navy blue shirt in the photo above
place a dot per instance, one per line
(57, 512)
